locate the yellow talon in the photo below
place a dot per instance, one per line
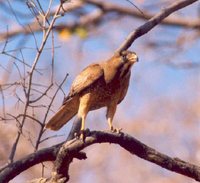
(82, 136)
(115, 130)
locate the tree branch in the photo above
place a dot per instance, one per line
(47, 154)
(71, 148)
(150, 24)
(185, 22)
(133, 146)
(91, 18)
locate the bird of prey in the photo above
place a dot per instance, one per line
(103, 84)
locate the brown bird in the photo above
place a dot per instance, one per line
(99, 85)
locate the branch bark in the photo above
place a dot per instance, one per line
(47, 154)
(134, 147)
(71, 148)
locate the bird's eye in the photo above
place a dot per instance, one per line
(124, 59)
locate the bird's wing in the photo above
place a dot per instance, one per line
(85, 79)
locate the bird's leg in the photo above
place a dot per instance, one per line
(110, 124)
(82, 112)
(82, 127)
(110, 114)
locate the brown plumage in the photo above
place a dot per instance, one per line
(99, 85)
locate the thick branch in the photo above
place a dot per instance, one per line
(134, 147)
(140, 31)
(126, 141)
(14, 169)
(46, 154)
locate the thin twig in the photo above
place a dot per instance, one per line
(136, 8)
(42, 95)
(47, 112)
(14, 147)
(51, 137)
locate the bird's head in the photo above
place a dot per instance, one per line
(128, 57)
(119, 66)
(123, 61)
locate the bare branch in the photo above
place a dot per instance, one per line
(174, 20)
(42, 95)
(33, 67)
(129, 143)
(140, 31)
(185, 22)
(34, 26)
(38, 141)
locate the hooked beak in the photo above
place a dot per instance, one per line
(134, 58)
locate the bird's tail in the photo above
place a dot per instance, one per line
(66, 112)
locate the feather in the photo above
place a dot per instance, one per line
(65, 113)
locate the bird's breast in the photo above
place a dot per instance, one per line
(105, 93)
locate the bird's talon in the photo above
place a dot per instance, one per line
(115, 130)
(112, 129)
(119, 130)
(82, 135)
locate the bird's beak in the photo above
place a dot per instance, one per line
(133, 58)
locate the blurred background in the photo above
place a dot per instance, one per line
(161, 109)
